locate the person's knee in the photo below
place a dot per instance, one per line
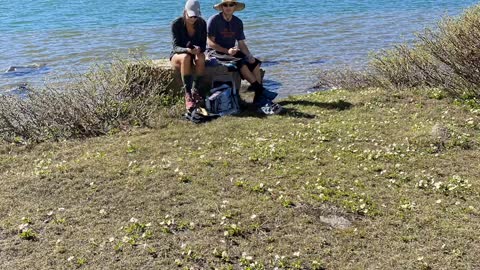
(186, 58)
(200, 58)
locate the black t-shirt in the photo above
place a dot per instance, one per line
(180, 37)
(226, 33)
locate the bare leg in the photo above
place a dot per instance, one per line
(258, 74)
(182, 62)
(248, 75)
(200, 65)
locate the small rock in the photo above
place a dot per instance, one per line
(336, 222)
(440, 132)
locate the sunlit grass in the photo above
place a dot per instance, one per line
(343, 180)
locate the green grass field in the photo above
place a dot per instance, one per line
(342, 180)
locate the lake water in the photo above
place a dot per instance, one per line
(293, 38)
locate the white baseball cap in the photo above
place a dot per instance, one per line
(192, 7)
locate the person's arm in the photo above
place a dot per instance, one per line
(203, 37)
(177, 39)
(242, 45)
(212, 44)
(211, 31)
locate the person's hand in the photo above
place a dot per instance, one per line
(196, 50)
(233, 51)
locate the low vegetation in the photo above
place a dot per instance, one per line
(446, 57)
(106, 99)
(343, 180)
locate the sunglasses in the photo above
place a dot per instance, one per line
(192, 17)
(229, 5)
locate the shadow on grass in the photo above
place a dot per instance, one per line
(249, 110)
(340, 105)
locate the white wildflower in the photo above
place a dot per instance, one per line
(133, 220)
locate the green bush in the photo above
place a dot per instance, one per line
(446, 57)
(108, 97)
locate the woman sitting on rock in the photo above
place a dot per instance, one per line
(189, 43)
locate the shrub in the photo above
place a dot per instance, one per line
(106, 98)
(446, 57)
(345, 78)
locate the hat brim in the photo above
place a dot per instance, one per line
(238, 7)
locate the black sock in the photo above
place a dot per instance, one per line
(187, 82)
(196, 82)
(258, 88)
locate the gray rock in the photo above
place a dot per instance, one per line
(336, 222)
(440, 132)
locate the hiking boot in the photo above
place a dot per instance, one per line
(197, 98)
(190, 103)
(270, 108)
(199, 115)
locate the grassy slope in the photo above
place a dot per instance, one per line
(344, 180)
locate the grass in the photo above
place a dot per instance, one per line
(343, 180)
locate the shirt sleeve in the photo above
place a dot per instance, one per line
(211, 26)
(177, 38)
(240, 34)
(203, 36)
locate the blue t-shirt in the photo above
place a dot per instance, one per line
(226, 33)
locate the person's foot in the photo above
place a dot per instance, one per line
(197, 98)
(189, 102)
(270, 108)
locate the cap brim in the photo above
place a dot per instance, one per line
(191, 13)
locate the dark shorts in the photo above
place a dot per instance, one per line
(244, 61)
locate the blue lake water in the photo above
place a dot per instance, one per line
(294, 38)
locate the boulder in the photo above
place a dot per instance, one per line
(162, 67)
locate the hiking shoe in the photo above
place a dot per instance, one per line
(197, 116)
(190, 103)
(270, 108)
(193, 99)
(194, 116)
(197, 98)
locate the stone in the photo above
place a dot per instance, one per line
(211, 72)
(336, 222)
(162, 67)
(440, 132)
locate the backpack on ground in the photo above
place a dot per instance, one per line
(223, 98)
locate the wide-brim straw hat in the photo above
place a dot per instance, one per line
(238, 7)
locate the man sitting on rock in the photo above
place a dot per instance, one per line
(224, 31)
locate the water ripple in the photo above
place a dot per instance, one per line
(294, 38)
